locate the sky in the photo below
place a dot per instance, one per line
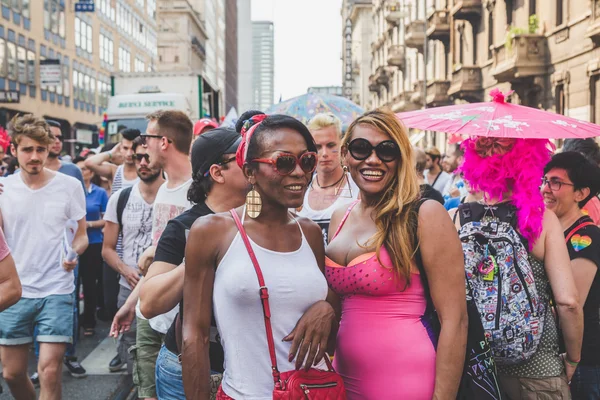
(308, 43)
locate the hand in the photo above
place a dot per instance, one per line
(570, 369)
(311, 334)
(69, 265)
(116, 156)
(122, 320)
(132, 277)
(146, 259)
(454, 193)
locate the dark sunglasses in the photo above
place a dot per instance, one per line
(286, 163)
(207, 173)
(361, 149)
(140, 157)
(144, 138)
(60, 137)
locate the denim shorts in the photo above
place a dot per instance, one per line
(585, 384)
(52, 315)
(169, 380)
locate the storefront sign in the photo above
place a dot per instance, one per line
(50, 73)
(84, 6)
(84, 136)
(9, 96)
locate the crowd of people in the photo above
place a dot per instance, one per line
(294, 245)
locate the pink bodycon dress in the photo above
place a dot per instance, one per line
(384, 349)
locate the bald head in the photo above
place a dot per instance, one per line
(420, 159)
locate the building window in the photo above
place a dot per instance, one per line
(490, 33)
(107, 50)
(83, 35)
(31, 68)
(22, 64)
(66, 83)
(461, 46)
(151, 8)
(140, 66)
(2, 58)
(509, 12)
(75, 85)
(54, 17)
(12, 61)
(559, 13)
(532, 7)
(124, 60)
(92, 94)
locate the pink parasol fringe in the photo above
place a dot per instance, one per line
(498, 167)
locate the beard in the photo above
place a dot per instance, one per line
(151, 177)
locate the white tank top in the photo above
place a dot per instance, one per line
(295, 283)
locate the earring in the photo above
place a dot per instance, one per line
(253, 203)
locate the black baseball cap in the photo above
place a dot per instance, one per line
(209, 148)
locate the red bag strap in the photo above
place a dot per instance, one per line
(264, 296)
(344, 218)
(577, 228)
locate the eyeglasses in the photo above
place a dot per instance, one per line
(140, 157)
(286, 163)
(554, 185)
(386, 151)
(60, 137)
(144, 137)
(207, 173)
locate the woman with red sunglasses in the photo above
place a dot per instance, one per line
(278, 157)
(385, 347)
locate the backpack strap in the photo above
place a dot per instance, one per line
(577, 228)
(121, 203)
(465, 213)
(419, 258)
(344, 218)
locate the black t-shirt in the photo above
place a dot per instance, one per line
(585, 243)
(171, 249)
(428, 192)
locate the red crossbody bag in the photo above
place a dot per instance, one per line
(313, 384)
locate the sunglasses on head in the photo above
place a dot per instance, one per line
(386, 151)
(286, 163)
(140, 157)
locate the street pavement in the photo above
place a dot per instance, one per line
(94, 353)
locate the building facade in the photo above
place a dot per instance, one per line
(231, 55)
(546, 51)
(330, 90)
(244, 56)
(263, 64)
(357, 31)
(60, 62)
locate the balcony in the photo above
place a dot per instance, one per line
(437, 93)
(467, 84)
(396, 56)
(469, 10)
(415, 35)
(382, 76)
(593, 32)
(373, 85)
(403, 102)
(393, 15)
(524, 57)
(438, 26)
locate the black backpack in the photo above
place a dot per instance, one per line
(121, 203)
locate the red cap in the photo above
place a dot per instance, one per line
(201, 125)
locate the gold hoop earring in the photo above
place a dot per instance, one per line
(253, 203)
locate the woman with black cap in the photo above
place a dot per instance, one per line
(218, 185)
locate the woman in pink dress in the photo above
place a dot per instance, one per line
(386, 348)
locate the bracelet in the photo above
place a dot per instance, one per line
(109, 155)
(571, 363)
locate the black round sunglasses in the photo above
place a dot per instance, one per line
(386, 151)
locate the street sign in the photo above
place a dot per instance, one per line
(85, 6)
(50, 72)
(10, 96)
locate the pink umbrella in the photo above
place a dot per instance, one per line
(499, 119)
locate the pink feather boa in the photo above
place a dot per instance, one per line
(510, 166)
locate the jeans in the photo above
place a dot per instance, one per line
(585, 384)
(169, 379)
(70, 352)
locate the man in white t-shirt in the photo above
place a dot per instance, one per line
(34, 212)
(168, 138)
(434, 175)
(135, 226)
(331, 186)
